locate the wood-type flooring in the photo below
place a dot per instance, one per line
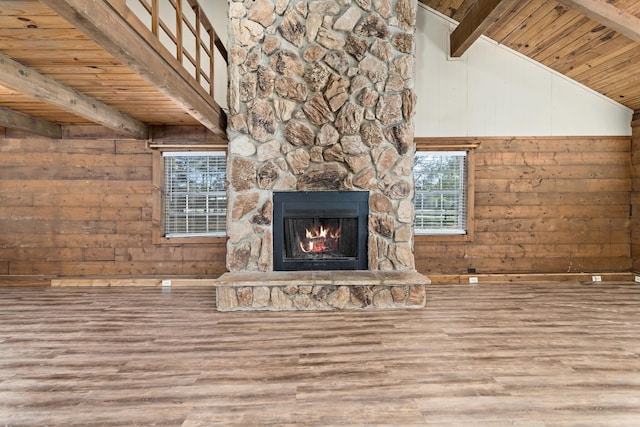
(526, 354)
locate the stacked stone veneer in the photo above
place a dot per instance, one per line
(321, 98)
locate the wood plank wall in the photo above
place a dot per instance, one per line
(635, 195)
(82, 207)
(543, 205)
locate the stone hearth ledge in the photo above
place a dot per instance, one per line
(320, 290)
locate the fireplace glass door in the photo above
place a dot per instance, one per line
(320, 230)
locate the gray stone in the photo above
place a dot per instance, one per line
(298, 133)
(243, 174)
(243, 204)
(261, 120)
(242, 146)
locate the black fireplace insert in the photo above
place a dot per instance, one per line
(320, 230)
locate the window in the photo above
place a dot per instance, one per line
(441, 193)
(195, 199)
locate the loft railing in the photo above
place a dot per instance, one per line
(184, 29)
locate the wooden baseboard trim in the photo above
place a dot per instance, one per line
(529, 277)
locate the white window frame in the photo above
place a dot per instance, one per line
(461, 210)
(211, 210)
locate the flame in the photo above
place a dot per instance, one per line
(320, 239)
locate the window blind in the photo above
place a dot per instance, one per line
(195, 198)
(440, 192)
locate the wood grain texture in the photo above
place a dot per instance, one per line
(533, 354)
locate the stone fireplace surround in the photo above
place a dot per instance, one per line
(321, 99)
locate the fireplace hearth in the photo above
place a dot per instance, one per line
(322, 230)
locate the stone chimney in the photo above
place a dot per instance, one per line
(321, 98)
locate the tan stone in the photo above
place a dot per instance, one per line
(317, 75)
(368, 97)
(245, 296)
(265, 82)
(407, 13)
(324, 7)
(404, 42)
(268, 174)
(261, 297)
(330, 39)
(262, 12)
(379, 203)
(349, 119)
(374, 69)
(382, 49)
(270, 45)
(334, 153)
(364, 4)
(329, 176)
(287, 182)
(366, 179)
(238, 257)
(290, 289)
(237, 55)
(402, 137)
(361, 296)
(401, 254)
(352, 144)
(313, 53)
(261, 120)
(264, 215)
(371, 133)
(383, 299)
(348, 20)
(265, 262)
(226, 298)
(302, 8)
(238, 123)
(417, 295)
(246, 32)
(389, 109)
(337, 60)
(237, 10)
(313, 24)
(281, 6)
(243, 204)
(372, 252)
(394, 187)
(409, 101)
(357, 163)
(405, 211)
(315, 154)
(298, 160)
(268, 150)
(290, 88)
(373, 26)
(305, 289)
(292, 28)
(239, 230)
(404, 66)
(355, 46)
(243, 174)
(283, 109)
(302, 301)
(400, 294)
(279, 300)
(403, 233)
(248, 86)
(253, 59)
(395, 83)
(242, 146)
(340, 297)
(328, 135)
(384, 159)
(381, 224)
(234, 90)
(287, 62)
(318, 110)
(298, 133)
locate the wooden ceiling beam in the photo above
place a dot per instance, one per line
(16, 120)
(102, 23)
(608, 15)
(30, 82)
(479, 18)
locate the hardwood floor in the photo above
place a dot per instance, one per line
(528, 354)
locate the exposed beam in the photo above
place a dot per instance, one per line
(479, 18)
(15, 120)
(608, 15)
(28, 81)
(104, 25)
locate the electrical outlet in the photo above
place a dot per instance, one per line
(596, 278)
(637, 279)
(473, 280)
(166, 283)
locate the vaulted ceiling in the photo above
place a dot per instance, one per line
(82, 62)
(595, 42)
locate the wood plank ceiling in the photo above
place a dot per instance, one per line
(595, 42)
(53, 74)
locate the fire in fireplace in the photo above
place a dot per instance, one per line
(324, 230)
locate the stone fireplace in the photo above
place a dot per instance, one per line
(320, 100)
